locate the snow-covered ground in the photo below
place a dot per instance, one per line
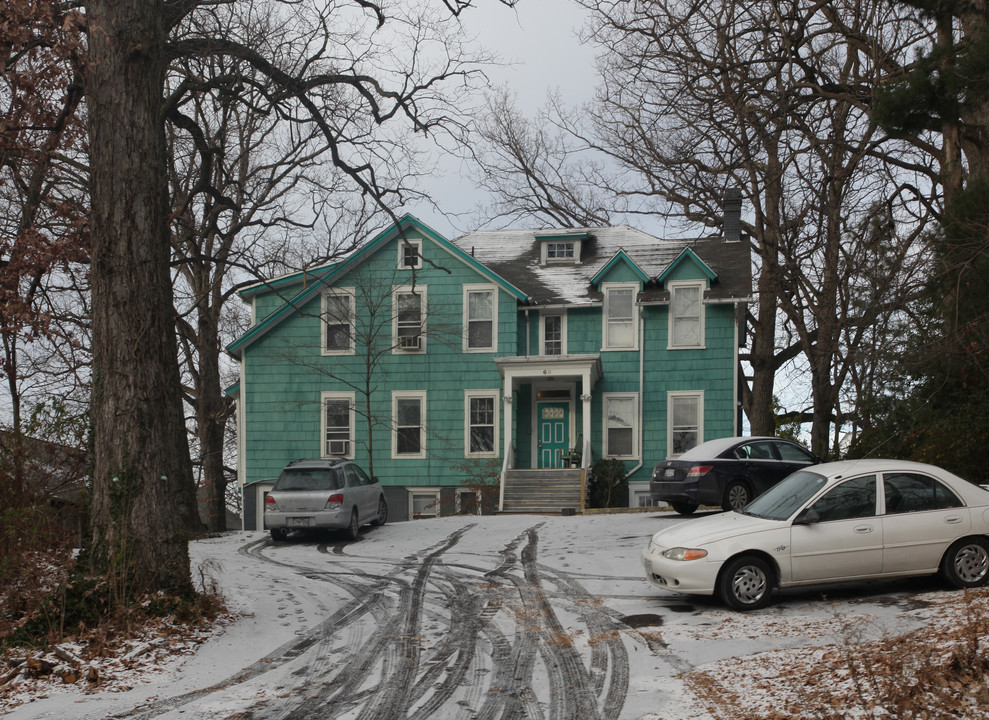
(477, 617)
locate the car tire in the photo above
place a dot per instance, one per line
(966, 564)
(279, 534)
(353, 529)
(745, 583)
(684, 507)
(736, 496)
(382, 517)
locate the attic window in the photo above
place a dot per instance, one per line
(409, 254)
(560, 252)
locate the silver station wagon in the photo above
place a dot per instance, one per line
(324, 494)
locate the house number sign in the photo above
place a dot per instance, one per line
(552, 413)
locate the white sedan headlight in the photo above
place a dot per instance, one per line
(682, 553)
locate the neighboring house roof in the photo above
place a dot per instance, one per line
(515, 255)
(51, 470)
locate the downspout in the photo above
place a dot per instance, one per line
(528, 342)
(736, 416)
(640, 404)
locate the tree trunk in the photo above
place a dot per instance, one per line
(212, 412)
(143, 505)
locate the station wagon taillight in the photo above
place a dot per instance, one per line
(698, 470)
(270, 504)
(335, 500)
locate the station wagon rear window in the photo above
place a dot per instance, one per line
(300, 479)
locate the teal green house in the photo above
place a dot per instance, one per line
(491, 371)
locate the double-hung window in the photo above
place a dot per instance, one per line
(338, 424)
(481, 414)
(619, 317)
(686, 315)
(409, 422)
(480, 318)
(409, 319)
(621, 425)
(685, 421)
(338, 322)
(552, 334)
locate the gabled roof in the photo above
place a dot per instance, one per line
(283, 282)
(619, 257)
(515, 256)
(686, 254)
(326, 275)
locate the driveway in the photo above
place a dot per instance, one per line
(479, 618)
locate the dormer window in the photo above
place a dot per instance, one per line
(560, 250)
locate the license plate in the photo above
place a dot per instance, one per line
(300, 522)
(669, 472)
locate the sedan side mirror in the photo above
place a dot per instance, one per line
(807, 517)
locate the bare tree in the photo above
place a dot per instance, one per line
(350, 84)
(695, 99)
(43, 233)
(250, 199)
(369, 320)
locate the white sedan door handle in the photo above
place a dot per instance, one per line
(862, 529)
(953, 520)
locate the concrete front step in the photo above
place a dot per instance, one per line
(542, 491)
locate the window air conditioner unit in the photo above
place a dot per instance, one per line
(339, 447)
(409, 342)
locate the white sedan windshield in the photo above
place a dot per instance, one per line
(781, 501)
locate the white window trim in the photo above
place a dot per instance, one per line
(493, 289)
(408, 289)
(640, 491)
(545, 259)
(699, 394)
(563, 331)
(468, 396)
(336, 292)
(434, 491)
(605, 290)
(605, 397)
(396, 395)
(351, 401)
(674, 286)
(402, 244)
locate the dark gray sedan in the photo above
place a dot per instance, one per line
(324, 494)
(728, 472)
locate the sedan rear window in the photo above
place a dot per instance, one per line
(299, 479)
(913, 492)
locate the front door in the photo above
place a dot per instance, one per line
(554, 433)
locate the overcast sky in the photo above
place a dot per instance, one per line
(538, 42)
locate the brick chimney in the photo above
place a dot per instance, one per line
(733, 215)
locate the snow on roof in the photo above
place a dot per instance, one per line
(515, 255)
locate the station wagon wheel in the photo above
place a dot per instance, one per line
(966, 564)
(279, 533)
(684, 507)
(737, 496)
(745, 583)
(353, 529)
(382, 516)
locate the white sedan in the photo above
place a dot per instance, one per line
(845, 521)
